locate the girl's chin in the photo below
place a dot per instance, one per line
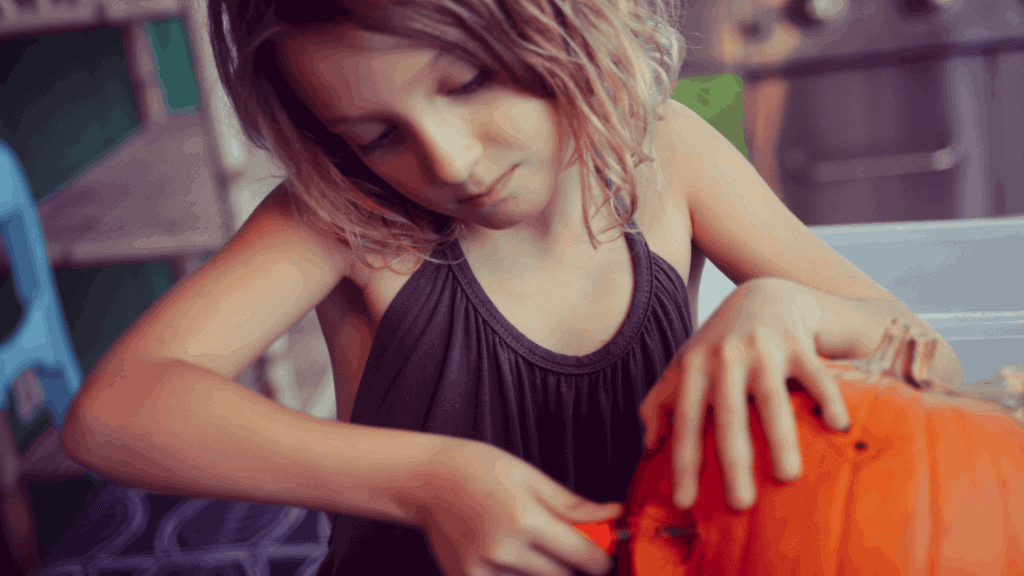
(492, 220)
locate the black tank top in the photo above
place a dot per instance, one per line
(444, 360)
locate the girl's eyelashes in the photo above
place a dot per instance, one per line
(380, 141)
(482, 78)
(475, 83)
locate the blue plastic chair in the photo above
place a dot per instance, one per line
(41, 340)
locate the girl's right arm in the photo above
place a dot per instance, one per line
(160, 410)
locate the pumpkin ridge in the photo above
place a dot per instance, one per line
(934, 512)
(758, 438)
(848, 508)
(844, 486)
(1012, 530)
(744, 559)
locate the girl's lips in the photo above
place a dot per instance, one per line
(497, 189)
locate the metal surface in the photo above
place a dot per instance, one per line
(873, 167)
(27, 17)
(962, 277)
(898, 110)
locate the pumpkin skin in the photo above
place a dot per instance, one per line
(923, 483)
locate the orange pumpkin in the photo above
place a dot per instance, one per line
(923, 483)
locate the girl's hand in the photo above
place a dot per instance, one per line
(488, 513)
(760, 336)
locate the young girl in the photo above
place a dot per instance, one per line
(501, 219)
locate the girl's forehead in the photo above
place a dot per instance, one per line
(344, 71)
(346, 54)
(344, 38)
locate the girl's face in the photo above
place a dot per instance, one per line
(438, 129)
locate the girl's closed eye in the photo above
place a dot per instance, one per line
(475, 84)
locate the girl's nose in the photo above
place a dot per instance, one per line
(451, 147)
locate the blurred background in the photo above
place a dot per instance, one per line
(854, 112)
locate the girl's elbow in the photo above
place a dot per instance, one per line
(92, 410)
(77, 433)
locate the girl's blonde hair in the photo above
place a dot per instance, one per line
(606, 65)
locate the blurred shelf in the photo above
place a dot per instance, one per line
(153, 198)
(28, 17)
(163, 193)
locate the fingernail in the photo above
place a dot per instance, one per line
(792, 465)
(747, 491)
(682, 498)
(677, 499)
(745, 495)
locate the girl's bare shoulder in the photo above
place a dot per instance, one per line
(269, 275)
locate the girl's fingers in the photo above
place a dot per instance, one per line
(688, 429)
(561, 548)
(656, 409)
(530, 563)
(823, 388)
(732, 427)
(557, 545)
(777, 418)
(892, 345)
(924, 358)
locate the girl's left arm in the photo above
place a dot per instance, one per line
(796, 299)
(749, 234)
(852, 328)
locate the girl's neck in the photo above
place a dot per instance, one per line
(551, 243)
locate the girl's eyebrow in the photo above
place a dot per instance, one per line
(374, 115)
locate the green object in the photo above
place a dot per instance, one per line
(719, 100)
(174, 65)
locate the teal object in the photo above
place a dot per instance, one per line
(41, 339)
(66, 101)
(174, 69)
